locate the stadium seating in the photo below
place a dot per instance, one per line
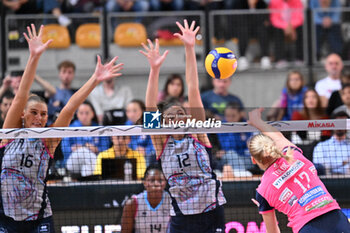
(88, 35)
(130, 34)
(58, 34)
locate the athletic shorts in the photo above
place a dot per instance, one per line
(209, 222)
(334, 221)
(8, 225)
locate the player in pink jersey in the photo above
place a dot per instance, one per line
(290, 184)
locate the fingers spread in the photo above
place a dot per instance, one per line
(145, 47)
(41, 30)
(192, 25)
(186, 23)
(113, 61)
(98, 59)
(25, 36)
(150, 44)
(180, 26)
(29, 32)
(157, 45)
(33, 29)
(144, 54)
(197, 29)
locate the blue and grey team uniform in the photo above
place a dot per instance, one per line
(196, 194)
(149, 219)
(25, 207)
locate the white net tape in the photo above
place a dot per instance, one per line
(61, 132)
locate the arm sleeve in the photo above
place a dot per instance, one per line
(264, 206)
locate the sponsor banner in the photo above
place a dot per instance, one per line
(311, 195)
(294, 168)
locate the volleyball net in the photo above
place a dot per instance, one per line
(96, 170)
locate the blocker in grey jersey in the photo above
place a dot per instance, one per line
(23, 173)
(186, 165)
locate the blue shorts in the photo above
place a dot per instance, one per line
(8, 225)
(334, 221)
(209, 222)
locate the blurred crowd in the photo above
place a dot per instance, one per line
(113, 104)
(279, 33)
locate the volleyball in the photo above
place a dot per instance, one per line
(221, 63)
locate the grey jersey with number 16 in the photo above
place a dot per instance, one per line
(24, 168)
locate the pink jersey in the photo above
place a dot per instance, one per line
(295, 190)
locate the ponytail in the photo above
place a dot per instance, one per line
(264, 150)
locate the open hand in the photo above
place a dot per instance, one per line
(155, 59)
(35, 43)
(107, 71)
(188, 36)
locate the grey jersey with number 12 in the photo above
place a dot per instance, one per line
(186, 165)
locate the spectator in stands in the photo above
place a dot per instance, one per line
(326, 86)
(20, 6)
(81, 6)
(120, 149)
(287, 18)
(58, 96)
(173, 88)
(80, 153)
(53, 7)
(327, 18)
(221, 26)
(292, 95)
(312, 110)
(127, 5)
(253, 26)
(141, 143)
(332, 156)
(11, 82)
(154, 202)
(201, 4)
(216, 100)
(234, 145)
(335, 99)
(5, 103)
(167, 5)
(109, 96)
(345, 96)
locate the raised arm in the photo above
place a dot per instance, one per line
(102, 72)
(155, 60)
(268, 130)
(36, 48)
(188, 37)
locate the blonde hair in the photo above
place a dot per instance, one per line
(264, 150)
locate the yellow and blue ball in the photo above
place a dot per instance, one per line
(221, 63)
